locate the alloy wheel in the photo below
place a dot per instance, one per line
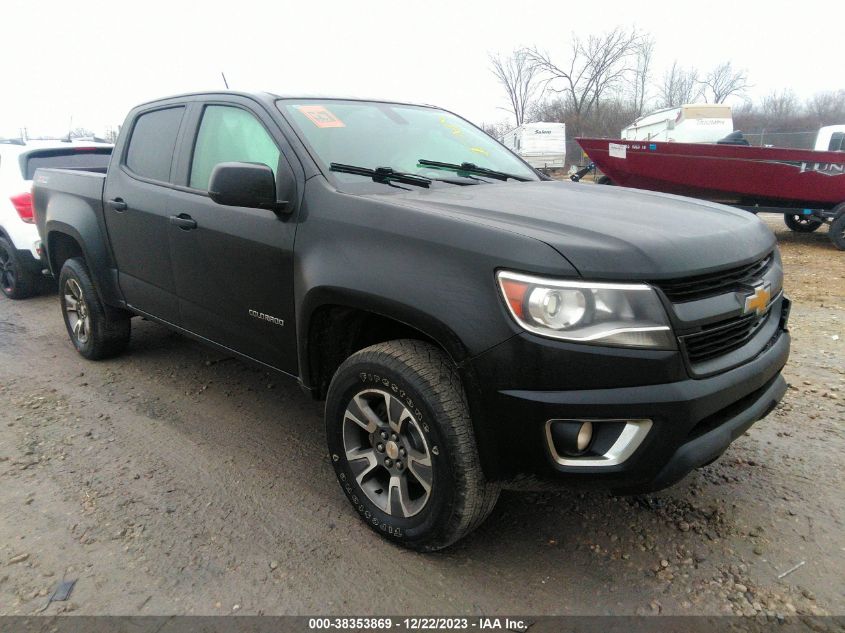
(387, 453)
(79, 318)
(7, 271)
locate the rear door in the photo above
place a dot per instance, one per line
(234, 269)
(136, 206)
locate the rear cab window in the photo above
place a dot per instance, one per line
(152, 144)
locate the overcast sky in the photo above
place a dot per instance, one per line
(93, 60)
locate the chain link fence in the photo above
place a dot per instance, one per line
(795, 140)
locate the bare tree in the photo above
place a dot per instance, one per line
(680, 86)
(778, 106)
(497, 130)
(827, 107)
(81, 132)
(596, 66)
(746, 110)
(112, 134)
(519, 76)
(554, 110)
(723, 81)
(642, 73)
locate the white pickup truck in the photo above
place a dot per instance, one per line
(831, 138)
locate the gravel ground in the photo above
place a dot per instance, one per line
(174, 480)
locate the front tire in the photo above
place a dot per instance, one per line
(96, 330)
(16, 280)
(801, 223)
(402, 445)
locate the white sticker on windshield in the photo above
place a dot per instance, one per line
(616, 150)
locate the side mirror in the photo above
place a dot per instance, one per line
(245, 185)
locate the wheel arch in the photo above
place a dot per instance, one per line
(64, 241)
(344, 321)
(328, 313)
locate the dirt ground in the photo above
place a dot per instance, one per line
(174, 480)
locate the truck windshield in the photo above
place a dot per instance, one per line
(373, 134)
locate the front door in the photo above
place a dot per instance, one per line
(234, 265)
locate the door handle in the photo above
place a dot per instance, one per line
(118, 204)
(183, 221)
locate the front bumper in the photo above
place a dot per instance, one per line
(693, 420)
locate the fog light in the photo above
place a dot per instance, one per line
(571, 437)
(594, 443)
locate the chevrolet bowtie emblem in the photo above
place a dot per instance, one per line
(758, 301)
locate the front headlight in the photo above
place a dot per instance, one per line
(624, 315)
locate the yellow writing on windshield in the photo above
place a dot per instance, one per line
(451, 126)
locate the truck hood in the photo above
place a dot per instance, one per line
(609, 232)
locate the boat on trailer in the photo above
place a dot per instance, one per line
(806, 186)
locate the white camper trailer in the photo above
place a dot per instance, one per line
(689, 123)
(542, 145)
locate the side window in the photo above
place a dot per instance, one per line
(153, 140)
(837, 142)
(230, 134)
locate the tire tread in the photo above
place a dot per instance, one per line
(837, 230)
(26, 283)
(441, 387)
(111, 327)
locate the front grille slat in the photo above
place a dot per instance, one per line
(703, 286)
(715, 352)
(722, 339)
(720, 333)
(716, 346)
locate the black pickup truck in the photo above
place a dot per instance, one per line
(470, 324)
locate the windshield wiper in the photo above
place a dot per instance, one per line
(471, 168)
(383, 175)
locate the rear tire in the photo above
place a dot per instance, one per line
(16, 280)
(801, 223)
(96, 330)
(604, 180)
(836, 232)
(402, 445)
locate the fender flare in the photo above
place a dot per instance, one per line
(96, 259)
(414, 318)
(322, 296)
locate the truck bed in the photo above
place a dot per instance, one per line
(85, 184)
(71, 202)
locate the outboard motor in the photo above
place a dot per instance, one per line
(734, 138)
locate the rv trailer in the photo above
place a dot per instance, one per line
(542, 145)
